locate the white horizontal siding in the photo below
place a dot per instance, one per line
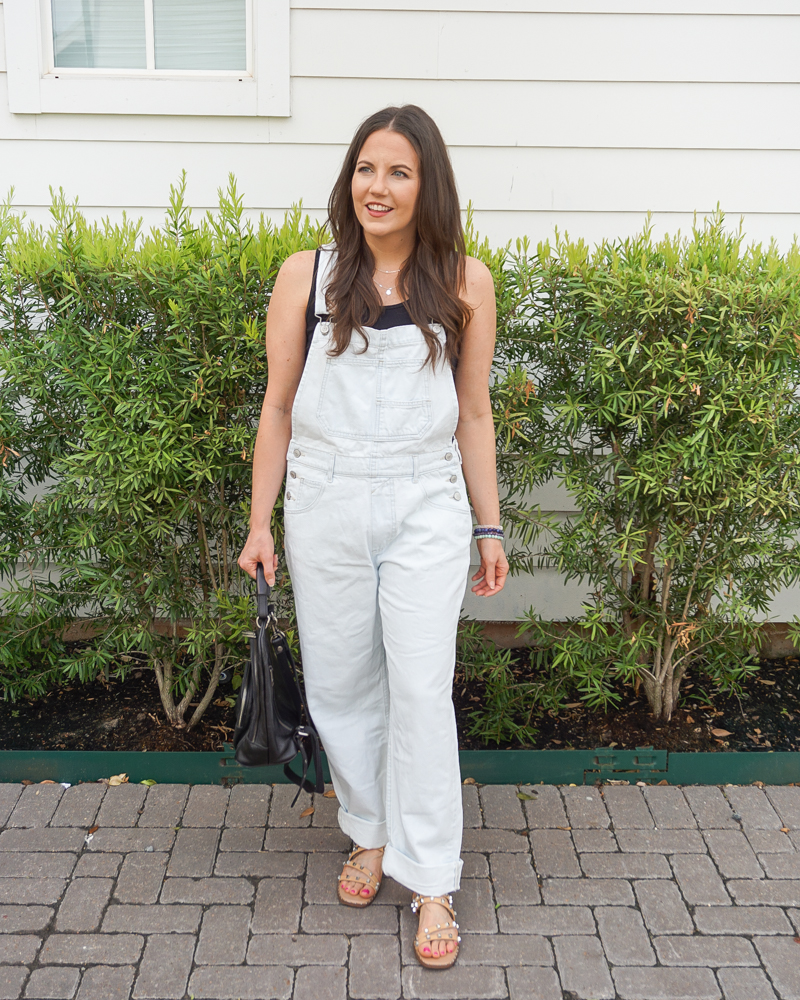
(553, 599)
(510, 46)
(545, 591)
(581, 114)
(494, 114)
(661, 180)
(501, 113)
(500, 227)
(512, 180)
(674, 7)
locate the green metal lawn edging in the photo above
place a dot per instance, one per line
(491, 767)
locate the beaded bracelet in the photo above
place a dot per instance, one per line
(488, 531)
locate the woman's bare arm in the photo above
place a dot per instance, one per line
(475, 430)
(286, 339)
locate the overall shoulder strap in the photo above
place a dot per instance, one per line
(327, 257)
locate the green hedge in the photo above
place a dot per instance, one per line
(657, 380)
(133, 373)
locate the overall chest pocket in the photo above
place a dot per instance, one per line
(378, 398)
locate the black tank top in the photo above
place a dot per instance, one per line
(393, 315)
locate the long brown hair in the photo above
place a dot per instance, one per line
(433, 275)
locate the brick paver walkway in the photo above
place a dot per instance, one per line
(622, 892)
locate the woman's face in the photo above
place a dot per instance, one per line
(385, 185)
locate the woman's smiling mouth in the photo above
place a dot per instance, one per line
(376, 210)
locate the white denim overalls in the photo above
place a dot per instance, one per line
(378, 530)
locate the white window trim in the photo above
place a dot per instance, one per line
(35, 88)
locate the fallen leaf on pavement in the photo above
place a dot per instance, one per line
(469, 781)
(330, 794)
(720, 732)
(118, 779)
(93, 829)
(306, 812)
(524, 797)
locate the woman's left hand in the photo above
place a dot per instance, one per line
(491, 575)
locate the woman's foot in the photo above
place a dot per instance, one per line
(437, 937)
(361, 876)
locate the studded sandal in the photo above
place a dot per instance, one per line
(448, 931)
(359, 874)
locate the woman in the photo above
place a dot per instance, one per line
(379, 351)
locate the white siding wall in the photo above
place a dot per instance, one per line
(583, 114)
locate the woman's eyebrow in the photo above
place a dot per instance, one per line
(395, 166)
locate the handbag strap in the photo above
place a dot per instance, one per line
(303, 733)
(266, 619)
(262, 595)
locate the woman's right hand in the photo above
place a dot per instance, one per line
(259, 548)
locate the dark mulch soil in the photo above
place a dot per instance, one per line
(765, 717)
(127, 715)
(120, 715)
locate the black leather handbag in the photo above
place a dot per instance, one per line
(270, 728)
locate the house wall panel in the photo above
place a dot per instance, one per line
(553, 46)
(500, 227)
(581, 114)
(391, 44)
(2, 41)
(608, 180)
(495, 114)
(516, 180)
(498, 114)
(641, 7)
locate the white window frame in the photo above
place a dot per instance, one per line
(36, 87)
